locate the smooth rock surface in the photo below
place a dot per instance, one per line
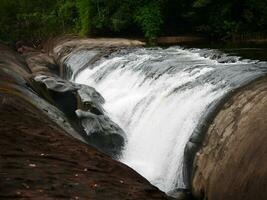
(83, 105)
(38, 160)
(42, 156)
(232, 163)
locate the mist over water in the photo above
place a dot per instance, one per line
(157, 96)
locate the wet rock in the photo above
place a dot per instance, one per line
(102, 132)
(41, 155)
(99, 130)
(9, 76)
(61, 49)
(39, 160)
(38, 61)
(56, 84)
(228, 59)
(72, 65)
(14, 62)
(180, 194)
(231, 163)
(89, 94)
(15, 78)
(90, 100)
(58, 92)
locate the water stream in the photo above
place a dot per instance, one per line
(158, 97)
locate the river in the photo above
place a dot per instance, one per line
(158, 96)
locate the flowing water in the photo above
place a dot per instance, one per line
(158, 97)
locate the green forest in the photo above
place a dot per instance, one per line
(35, 20)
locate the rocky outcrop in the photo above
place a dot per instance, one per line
(96, 127)
(40, 161)
(62, 48)
(42, 156)
(83, 104)
(15, 76)
(73, 99)
(231, 163)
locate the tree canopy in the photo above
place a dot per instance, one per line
(35, 20)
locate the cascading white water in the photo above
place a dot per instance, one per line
(158, 96)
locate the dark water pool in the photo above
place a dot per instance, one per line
(246, 51)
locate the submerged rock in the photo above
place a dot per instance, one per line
(180, 194)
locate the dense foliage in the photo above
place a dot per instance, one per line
(37, 19)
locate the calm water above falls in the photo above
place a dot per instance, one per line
(158, 96)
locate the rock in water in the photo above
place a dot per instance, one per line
(86, 102)
(102, 132)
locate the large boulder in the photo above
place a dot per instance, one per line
(102, 132)
(232, 163)
(83, 106)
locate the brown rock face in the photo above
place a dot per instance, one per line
(40, 154)
(232, 164)
(38, 160)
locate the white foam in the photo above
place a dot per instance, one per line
(157, 111)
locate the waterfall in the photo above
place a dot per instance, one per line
(157, 96)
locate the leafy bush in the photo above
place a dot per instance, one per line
(149, 19)
(33, 20)
(83, 7)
